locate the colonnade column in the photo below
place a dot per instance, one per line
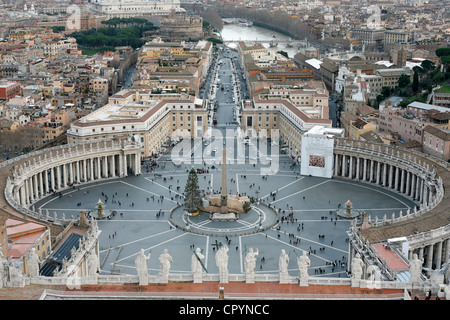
(85, 170)
(391, 173)
(113, 166)
(336, 164)
(429, 261)
(365, 170)
(350, 174)
(438, 256)
(41, 183)
(358, 169)
(378, 172)
(446, 251)
(371, 171)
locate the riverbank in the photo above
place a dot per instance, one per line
(236, 32)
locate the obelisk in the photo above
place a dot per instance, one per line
(224, 193)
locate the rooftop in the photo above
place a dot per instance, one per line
(392, 258)
(426, 106)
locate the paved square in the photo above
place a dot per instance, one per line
(143, 205)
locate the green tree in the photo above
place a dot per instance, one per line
(428, 65)
(415, 84)
(192, 196)
(441, 52)
(438, 77)
(404, 81)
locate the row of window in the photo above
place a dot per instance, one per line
(112, 128)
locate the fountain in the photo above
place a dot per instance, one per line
(348, 212)
(100, 212)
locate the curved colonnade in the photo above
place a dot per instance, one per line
(50, 171)
(413, 175)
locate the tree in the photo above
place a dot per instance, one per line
(192, 197)
(438, 77)
(213, 18)
(403, 81)
(428, 65)
(441, 52)
(415, 84)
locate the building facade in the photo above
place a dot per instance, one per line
(436, 142)
(131, 9)
(151, 118)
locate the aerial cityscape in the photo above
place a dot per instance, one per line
(225, 150)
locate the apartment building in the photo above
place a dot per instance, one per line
(368, 36)
(9, 90)
(390, 77)
(262, 116)
(404, 124)
(312, 98)
(23, 237)
(396, 36)
(436, 142)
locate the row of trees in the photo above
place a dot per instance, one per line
(213, 19)
(277, 21)
(110, 37)
(444, 55)
(24, 139)
(117, 33)
(115, 22)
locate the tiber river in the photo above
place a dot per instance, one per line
(239, 32)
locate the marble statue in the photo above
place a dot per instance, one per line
(196, 265)
(357, 267)
(15, 274)
(92, 264)
(303, 263)
(164, 266)
(33, 262)
(2, 270)
(250, 261)
(415, 268)
(250, 264)
(437, 277)
(447, 292)
(141, 267)
(283, 263)
(222, 263)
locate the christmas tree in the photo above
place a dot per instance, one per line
(192, 197)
